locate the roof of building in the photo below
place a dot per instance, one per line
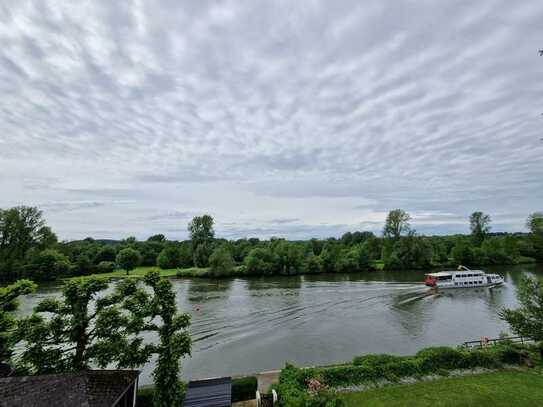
(90, 388)
(209, 393)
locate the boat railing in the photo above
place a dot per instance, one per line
(484, 342)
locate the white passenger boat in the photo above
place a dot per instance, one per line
(462, 278)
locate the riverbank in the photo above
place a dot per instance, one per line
(520, 388)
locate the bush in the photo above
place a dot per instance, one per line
(105, 267)
(432, 359)
(244, 388)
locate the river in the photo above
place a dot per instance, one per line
(249, 325)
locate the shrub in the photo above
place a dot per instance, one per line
(509, 353)
(244, 388)
(432, 359)
(482, 358)
(389, 366)
(375, 360)
(105, 267)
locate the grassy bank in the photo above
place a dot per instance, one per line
(186, 272)
(505, 388)
(140, 272)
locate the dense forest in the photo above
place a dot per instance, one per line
(30, 249)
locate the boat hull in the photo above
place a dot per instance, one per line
(486, 285)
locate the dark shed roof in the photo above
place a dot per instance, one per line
(209, 393)
(90, 388)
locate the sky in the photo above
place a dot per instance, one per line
(279, 118)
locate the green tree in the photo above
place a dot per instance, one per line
(169, 257)
(410, 252)
(157, 238)
(221, 262)
(201, 255)
(261, 261)
(535, 225)
(462, 253)
(128, 259)
(157, 312)
(290, 257)
(21, 228)
(85, 327)
(329, 256)
(201, 230)
(479, 224)
(527, 320)
(106, 253)
(47, 265)
(8, 304)
(313, 264)
(396, 224)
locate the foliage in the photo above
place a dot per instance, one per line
(201, 255)
(535, 223)
(439, 360)
(410, 252)
(261, 261)
(396, 224)
(146, 309)
(106, 253)
(169, 257)
(527, 320)
(290, 257)
(8, 304)
(47, 265)
(201, 230)
(462, 253)
(244, 388)
(85, 327)
(479, 224)
(128, 259)
(21, 229)
(46, 259)
(221, 262)
(105, 267)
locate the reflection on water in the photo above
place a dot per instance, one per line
(254, 324)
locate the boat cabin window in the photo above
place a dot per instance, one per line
(444, 278)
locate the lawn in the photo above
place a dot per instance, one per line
(505, 388)
(140, 271)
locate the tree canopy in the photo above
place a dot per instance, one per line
(396, 224)
(8, 304)
(85, 327)
(527, 320)
(480, 226)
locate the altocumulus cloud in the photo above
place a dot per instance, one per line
(320, 115)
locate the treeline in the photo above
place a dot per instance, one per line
(30, 249)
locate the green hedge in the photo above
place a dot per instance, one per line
(244, 388)
(370, 368)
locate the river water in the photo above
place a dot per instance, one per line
(249, 325)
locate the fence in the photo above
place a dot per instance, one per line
(483, 342)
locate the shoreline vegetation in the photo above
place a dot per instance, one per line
(30, 249)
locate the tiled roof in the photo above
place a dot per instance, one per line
(90, 388)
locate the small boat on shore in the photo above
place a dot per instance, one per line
(462, 278)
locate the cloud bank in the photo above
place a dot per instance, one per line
(301, 119)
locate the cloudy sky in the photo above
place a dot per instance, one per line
(290, 118)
